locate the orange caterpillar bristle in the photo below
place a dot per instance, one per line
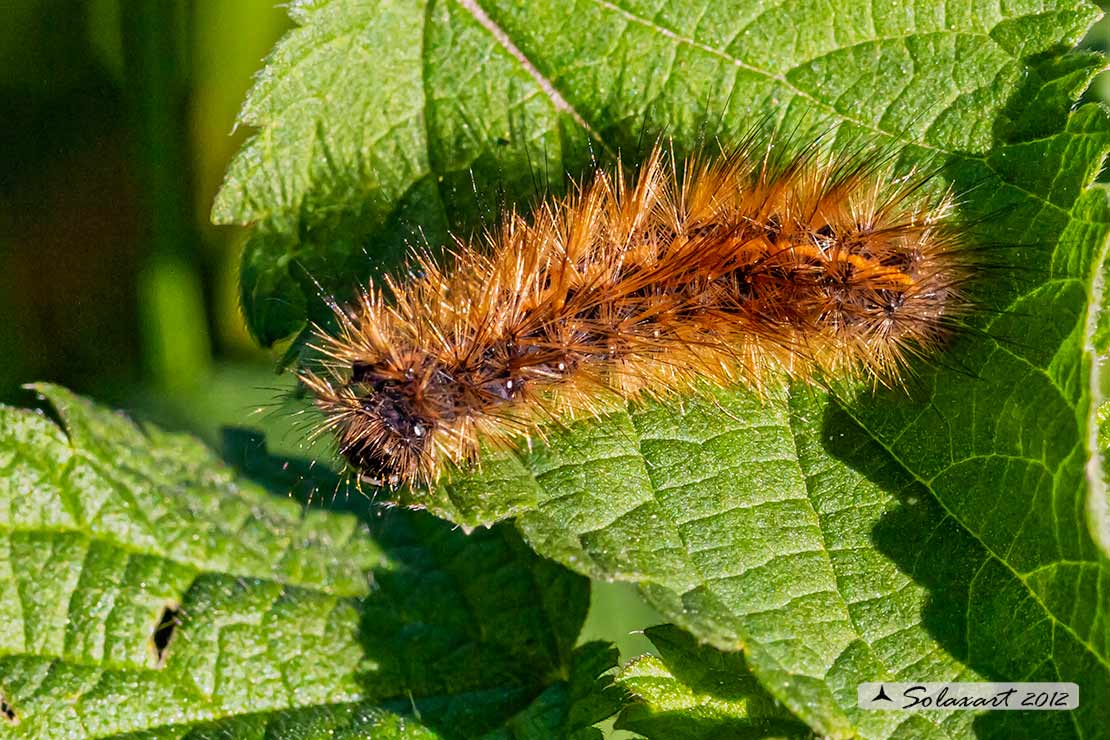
(738, 269)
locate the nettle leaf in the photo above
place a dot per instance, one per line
(150, 590)
(955, 529)
(693, 692)
(571, 708)
(344, 158)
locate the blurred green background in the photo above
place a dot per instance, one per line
(118, 123)
(116, 126)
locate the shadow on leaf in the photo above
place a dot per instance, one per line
(462, 631)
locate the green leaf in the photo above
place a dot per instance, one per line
(571, 708)
(344, 162)
(149, 589)
(949, 530)
(693, 692)
(329, 722)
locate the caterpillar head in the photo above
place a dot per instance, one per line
(378, 424)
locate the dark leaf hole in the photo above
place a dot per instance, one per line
(7, 711)
(163, 633)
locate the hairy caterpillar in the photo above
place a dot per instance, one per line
(736, 269)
